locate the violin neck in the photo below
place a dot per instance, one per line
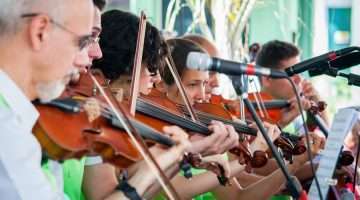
(273, 104)
(145, 131)
(242, 128)
(169, 117)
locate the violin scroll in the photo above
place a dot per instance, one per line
(196, 161)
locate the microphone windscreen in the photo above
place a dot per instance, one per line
(198, 61)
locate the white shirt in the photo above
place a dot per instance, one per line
(21, 176)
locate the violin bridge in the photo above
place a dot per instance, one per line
(92, 109)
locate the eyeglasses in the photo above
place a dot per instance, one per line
(83, 41)
(95, 39)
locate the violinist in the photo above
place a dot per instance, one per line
(270, 184)
(96, 172)
(116, 27)
(43, 31)
(213, 84)
(82, 178)
(281, 55)
(120, 77)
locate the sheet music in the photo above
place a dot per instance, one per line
(342, 125)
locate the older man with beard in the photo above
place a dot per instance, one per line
(39, 42)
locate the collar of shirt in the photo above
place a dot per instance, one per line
(24, 110)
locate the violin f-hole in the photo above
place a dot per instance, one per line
(95, 131)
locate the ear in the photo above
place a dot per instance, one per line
(39, 31)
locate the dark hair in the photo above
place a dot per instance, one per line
(100, 4)
(274, 52)
(254, 50)
(118, 44)
(179, 49)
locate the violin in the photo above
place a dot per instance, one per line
(157, 103)
(268, 108)
(290, 145)
(313, 119)
(208, 112)
(65, 131)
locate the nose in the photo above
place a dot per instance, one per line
(95, 51)
(200, 95)
(208, 90)
(82, 60)
(214, 81)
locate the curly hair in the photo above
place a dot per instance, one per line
(118, 44)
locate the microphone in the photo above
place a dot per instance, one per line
(202, 61)
(318, 61)
(343, 62)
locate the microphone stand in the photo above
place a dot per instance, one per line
(293, 184)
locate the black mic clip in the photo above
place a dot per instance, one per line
(353, 79)
(329, 70)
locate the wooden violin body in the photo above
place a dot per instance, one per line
(269, 110)
(65, 131)
(207, 112)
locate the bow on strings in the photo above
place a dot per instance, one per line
(70, 127)
(163, 180)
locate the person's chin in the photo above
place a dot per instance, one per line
(50, 91)
(147, 91)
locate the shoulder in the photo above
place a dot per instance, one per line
(8, 119)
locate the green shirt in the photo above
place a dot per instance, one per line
(45, 168)
(73, 171)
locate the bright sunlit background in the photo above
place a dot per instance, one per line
(315, 26)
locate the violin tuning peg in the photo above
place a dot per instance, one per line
(94, 90)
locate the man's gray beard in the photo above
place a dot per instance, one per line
(49, 91)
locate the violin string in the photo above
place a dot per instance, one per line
(146, 107)
(205, 115)
(260, 101)
(157, 110)
(142, 149)
(206, 119)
